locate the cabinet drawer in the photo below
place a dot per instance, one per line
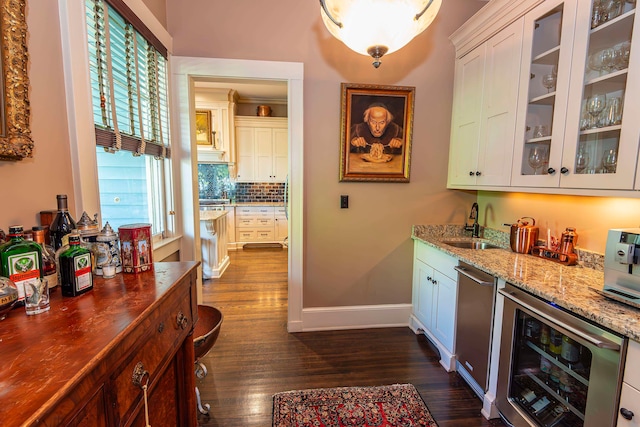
(246, 222)
(632, 367)
(162, 334)
(262, 235)
(630, 400)
(437, 259)
(245, 235)
(255, 211)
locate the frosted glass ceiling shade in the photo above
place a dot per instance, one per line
(376, 27)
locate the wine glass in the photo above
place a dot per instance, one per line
(582, 161)
(610, 160)
(608, 59)
(595, 105)
(595, 62)
(536, 158)
(549, 81)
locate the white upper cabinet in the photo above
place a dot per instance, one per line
(577, 105)
(542, 106)
(263, 148)
(603, 130)
(484, 115)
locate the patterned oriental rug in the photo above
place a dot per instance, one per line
(397, 405)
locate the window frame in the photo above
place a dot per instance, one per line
(74, 41)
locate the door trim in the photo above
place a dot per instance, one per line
(184, 71)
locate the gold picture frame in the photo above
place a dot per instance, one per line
(15, 132)
(376, 132)
(203, 127)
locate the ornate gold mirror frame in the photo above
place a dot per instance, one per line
(15, 133)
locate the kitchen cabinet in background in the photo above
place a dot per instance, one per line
(485, 101)
(260, 224)
(630, 397)
(262, 149)
(434, 299)
(222, 106)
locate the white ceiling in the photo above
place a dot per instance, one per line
(248, 90)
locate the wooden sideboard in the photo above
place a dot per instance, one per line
(74, 365)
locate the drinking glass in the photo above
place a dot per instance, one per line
(612, 113)
(608, 59)
(540, 131)
(595, 62)
(582, 161)
(595, 105)
(622, 55)
(549, 81)
(536, 158)
(597, 14)
(610, 160)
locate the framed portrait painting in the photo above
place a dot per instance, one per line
(376, 132)
(203, 127)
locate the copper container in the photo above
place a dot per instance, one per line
(263, 111)
(523, 236)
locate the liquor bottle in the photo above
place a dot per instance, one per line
(555, 344)
(21, 260)
(570, 350)
(62, 224)
(48, 256)
(544, 337)
(75, 268)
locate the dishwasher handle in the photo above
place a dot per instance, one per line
(465, 272)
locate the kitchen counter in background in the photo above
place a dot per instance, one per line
(215, 241)
(566, 286)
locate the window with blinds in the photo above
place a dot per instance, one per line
(128, 83)
(129, 91)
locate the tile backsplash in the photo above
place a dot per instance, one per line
(259, 192)
(214, 183)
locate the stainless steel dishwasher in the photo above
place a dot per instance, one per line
(476, 298)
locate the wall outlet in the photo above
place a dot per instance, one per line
(344, 202)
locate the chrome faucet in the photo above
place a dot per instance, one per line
(475, 227)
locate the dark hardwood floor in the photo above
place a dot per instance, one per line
(254, 356)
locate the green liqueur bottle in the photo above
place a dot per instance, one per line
(75, 268)
(21, 260)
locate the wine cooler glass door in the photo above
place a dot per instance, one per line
(558, 376)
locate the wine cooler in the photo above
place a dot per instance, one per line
(556, 370)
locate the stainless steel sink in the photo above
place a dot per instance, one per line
(470, 244)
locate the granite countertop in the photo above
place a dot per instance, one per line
(212, 215)
(258, 204)
(566, 286)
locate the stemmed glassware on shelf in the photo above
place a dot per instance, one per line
(610, 160)
(582, 161)
(537, 158)
(549, 81)
(595, 105)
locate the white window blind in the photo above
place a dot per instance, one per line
(128, 82)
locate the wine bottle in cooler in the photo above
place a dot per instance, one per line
(62, 224)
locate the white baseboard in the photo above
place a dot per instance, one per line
(355, 317)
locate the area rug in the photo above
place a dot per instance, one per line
(397, 405)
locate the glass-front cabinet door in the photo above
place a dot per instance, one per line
(603, 116)
(544, 90)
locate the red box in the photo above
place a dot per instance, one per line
(135, 247)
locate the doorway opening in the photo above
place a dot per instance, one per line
(188, 73)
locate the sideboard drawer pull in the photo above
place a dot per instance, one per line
(140, 377)
(182, 320)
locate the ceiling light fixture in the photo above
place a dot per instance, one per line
(377, 27)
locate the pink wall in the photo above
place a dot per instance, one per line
(31, 185)
(361, 255)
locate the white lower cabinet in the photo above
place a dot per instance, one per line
(260, 224)
(629, 413)
(435, 292)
